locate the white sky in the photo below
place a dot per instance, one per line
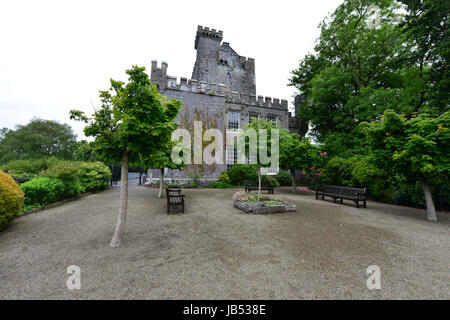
(56, 55)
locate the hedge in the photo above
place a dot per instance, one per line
(11, 199)
(42, 191)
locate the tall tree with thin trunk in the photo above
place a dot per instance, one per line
(134, 122)
(296, 154)
(267, 141)
(160, 160)
(416, 149)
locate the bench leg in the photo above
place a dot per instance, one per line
(357, 203)
(342, 201)
(334, 199)
(168, 208)
(365, 204)
(182, 208)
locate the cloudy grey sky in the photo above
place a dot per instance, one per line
(57, 55)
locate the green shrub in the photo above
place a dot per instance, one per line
(43, 190)
(338, 171)
(224, 177)
(365, 174)
(271, 180)
(407, 194)
(93, 176)
(174, 185)
(284, 178)
(220, 185)
(22, 178)
(11, 199)
(31, 166)
(69, 174)
(241, 172)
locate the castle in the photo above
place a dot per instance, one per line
(223, 89)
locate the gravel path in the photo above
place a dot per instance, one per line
(215, 251)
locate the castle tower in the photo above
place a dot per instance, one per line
(219, 63)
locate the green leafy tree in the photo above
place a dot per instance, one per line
(133, 122)
(267, 143)
(361, 67)
(417, 149)
(161, 159)
(296, 154)
(426, 26)
(38, 139)
(84, 151)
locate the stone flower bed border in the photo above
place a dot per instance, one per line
(245, 202)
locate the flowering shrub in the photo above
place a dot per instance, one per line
(11, 199)
(240, 196)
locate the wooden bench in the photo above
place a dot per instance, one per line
(174, 198)
(253, 185)
(341, 193)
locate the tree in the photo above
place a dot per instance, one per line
(84, 151)
(371, 56)
(133, 122)
(265, 143)
(38, 139)
(417, 148)
(161, 159)
(426, 25)
(358, 71)
(296, 154)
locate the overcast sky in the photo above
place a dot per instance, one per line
(57, 55)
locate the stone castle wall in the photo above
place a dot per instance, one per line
(222, 82)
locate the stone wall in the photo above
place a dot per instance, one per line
(219, 63)
(211, 91)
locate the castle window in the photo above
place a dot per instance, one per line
(234, 120)
(253, 116)
(231, 156)
(273, 119)
(228, 77)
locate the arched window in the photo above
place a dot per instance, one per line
(228, 77)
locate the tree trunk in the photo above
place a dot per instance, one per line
(293, 181)
(121, 220)
(259, 182)
(431, 211)
(161, 185)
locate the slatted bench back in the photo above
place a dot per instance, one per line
(343, 191)
(254, 183)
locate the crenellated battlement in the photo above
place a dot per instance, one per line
(166, 82)
(163, 81)
(205, 32)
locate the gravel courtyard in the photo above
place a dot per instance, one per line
(215, 251)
